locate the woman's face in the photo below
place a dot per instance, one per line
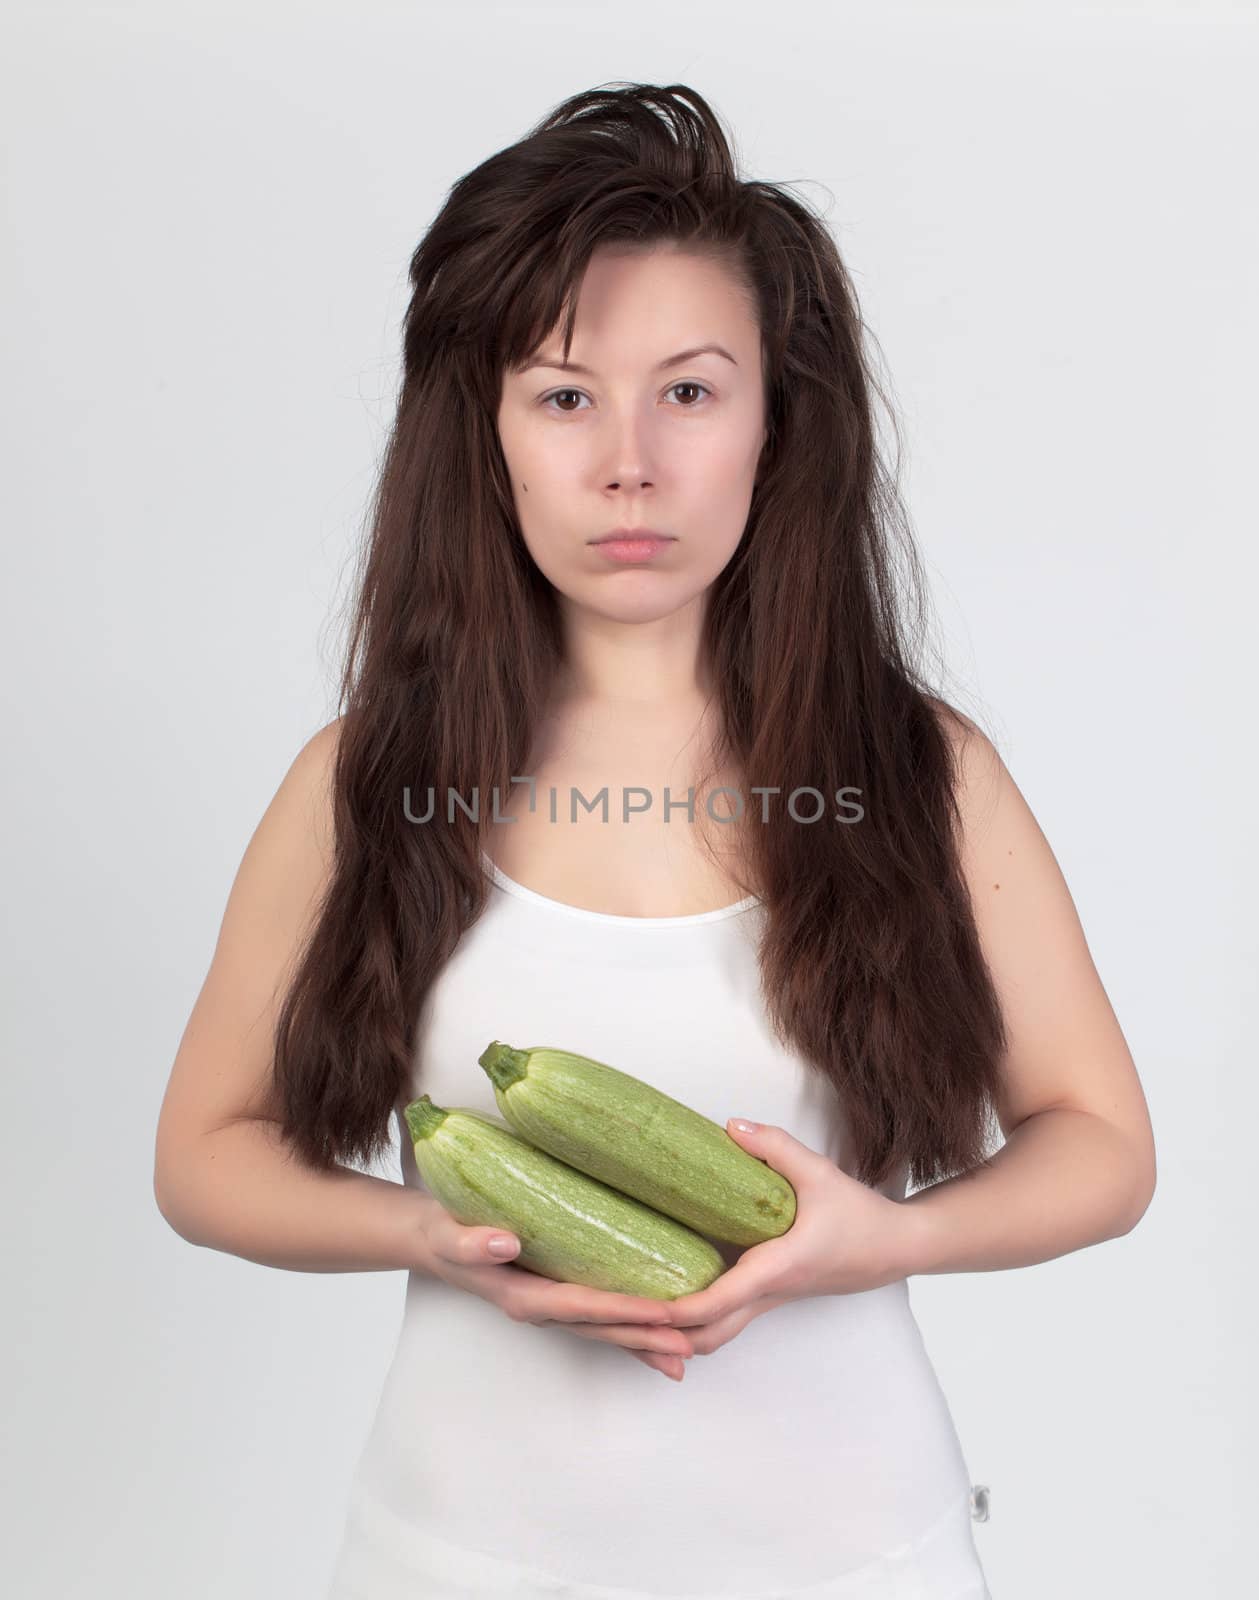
(637, 439)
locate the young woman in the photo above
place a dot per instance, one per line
(633, 640)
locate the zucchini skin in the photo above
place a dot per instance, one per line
(635, 1138)
(571, 1227)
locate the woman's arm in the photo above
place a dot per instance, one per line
(1078, 1165)
(222, 1176)
(1062, 1180)
(241, 1190)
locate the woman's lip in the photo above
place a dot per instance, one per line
(632, 549)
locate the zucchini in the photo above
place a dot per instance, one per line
(635, 1138)
(570, 1226)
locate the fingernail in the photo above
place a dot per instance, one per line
(502, 1246)
(744, 1127)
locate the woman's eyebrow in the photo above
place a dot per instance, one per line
(669, 361)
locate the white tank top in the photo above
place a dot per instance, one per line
(812, 1456)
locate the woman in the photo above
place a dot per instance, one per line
(631, 581)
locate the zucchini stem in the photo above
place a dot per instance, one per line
(423, 1117)
(504, 1065)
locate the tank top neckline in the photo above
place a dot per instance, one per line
(693, 920)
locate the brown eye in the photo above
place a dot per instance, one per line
(687, 383)
(555, 395)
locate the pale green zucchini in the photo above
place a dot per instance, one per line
(635, 1138)
(571, 1227)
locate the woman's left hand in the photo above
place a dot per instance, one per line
(846, 1237)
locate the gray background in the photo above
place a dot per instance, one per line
(208, 212)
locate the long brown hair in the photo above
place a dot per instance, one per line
(871, 967)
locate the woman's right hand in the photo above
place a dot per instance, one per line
(460, 1255)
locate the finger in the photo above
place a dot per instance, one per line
(576, 1302)
(778, 1149)
(668, 1366)
(709, 1304)
(739, 1285)
(659, 1341)
(462, 1245)
(468, 1246)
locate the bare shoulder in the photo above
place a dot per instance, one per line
(311, 775)
(999, 829)
(979, 772)
(292, 847)
(291, 854)
(956, 726)
(222, 1069)
(1065, 1045)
